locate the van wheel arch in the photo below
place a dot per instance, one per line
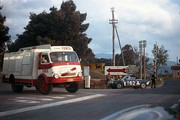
(43, 86)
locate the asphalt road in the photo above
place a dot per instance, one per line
(86, 104)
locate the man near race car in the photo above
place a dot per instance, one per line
(108, 78)
(153, 78)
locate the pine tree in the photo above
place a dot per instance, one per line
(64, 26)
(4, 37)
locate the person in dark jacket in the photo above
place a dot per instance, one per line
(153, 78)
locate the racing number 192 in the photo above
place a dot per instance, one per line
(131, 83)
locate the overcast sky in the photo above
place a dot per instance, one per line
(150, 20)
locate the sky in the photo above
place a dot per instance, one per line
(156, 21)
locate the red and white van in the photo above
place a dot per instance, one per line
(42, 66)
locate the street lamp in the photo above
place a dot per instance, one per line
(140, 50)
(142, 45)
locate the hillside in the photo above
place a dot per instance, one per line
(96, 74)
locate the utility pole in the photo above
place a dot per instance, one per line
(113, 22)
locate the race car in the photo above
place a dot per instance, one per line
(129, 81)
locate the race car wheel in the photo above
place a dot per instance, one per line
(72, 88)
(143, 85)
(119, 86)
(43, 87)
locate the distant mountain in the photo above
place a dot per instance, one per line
(160, 71)
(106, 56)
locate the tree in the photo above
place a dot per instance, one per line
(4, 37)
(162, 56)
(130, 56)
(59, 27)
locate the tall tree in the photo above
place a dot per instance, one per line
(162, 55)
(130, 56)
(4, 37)
(64, 26)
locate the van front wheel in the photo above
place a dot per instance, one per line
(43, 87)
(72, 87)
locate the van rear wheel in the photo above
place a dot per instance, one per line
(72, 88)
(15, 88)
(43, 87)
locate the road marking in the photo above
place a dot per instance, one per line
(10, 112)
(27, 101)
(34, 98)
(69, 95)
(56, 97)
(174, 106)
(112, 116)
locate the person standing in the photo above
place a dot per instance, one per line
(108, 78)
(153, 78)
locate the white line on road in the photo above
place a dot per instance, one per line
(34, 98)
(27, 101)
(57, 97)
(10, 112)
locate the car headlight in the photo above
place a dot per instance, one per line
(148, 83)
(56, 76)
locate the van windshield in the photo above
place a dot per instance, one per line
(63, 57)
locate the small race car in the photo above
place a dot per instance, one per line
(128, 81)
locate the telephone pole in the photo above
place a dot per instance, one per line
(113, 22)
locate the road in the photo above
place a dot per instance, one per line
(86, 104)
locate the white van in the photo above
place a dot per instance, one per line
(42, 66)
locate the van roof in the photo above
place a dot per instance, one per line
(48, 46)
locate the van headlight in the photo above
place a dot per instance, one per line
(56, 76)
(80, 74)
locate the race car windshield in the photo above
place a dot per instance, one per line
(125, 78)
(63, 57)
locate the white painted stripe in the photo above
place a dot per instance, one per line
(10, 112)
(174, 106)
(27, 101)
(57, 97)
(34, 98)
(112, 116)
(69, 95)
